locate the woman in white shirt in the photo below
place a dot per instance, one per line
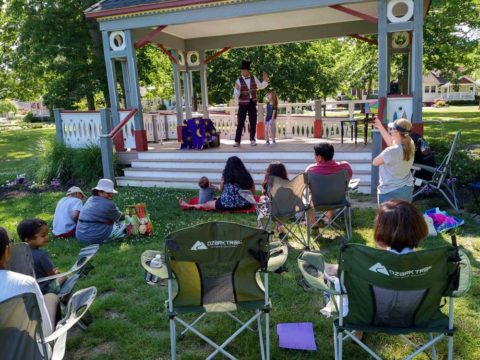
(13, 284)
(395, 162)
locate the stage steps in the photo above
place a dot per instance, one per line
(182, 169)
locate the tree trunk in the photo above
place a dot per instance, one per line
(91, 101)
(369, 88)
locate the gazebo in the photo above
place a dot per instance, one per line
(185, 29)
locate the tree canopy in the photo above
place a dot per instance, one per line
(48, 49)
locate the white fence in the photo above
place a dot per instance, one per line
(458, 96)
(81, 129)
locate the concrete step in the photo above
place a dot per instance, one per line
(304, 156)
(213, 174)
(251, 164)
(179, 183)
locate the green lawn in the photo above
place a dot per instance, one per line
(453, 118)
(129, 316)
(17, 150)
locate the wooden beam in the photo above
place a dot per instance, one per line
(365, 39)
(166, 52)
(217, 54)
(346, 10)
(148, 38)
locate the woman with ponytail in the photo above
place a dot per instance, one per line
(395, 162)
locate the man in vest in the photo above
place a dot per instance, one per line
(245, 93)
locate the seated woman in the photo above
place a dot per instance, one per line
(235, 177)
(100, 220)
(14, 284)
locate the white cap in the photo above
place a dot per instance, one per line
(105, 185)
(74, 190)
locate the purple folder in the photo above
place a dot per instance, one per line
(298, 336)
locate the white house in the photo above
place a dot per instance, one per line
(436, 87)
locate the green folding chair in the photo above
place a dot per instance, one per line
(392, 294)
(214, 267)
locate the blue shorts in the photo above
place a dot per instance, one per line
(403, 193)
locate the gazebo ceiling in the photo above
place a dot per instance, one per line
(207, 24)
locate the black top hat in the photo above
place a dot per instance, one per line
(245, 65)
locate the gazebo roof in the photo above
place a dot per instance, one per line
(213, 24)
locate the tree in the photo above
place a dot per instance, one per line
(51, 49)
(451, 35)
(298, 71)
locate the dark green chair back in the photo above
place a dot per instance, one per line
(216, 263)
(396, 291)
(329, 191)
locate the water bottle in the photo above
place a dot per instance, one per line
(156, 263)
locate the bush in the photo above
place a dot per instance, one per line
(82, 167)
(7, 106)
(465, 168)
(463, 103)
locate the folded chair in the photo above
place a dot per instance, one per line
(213, 267)
(442, 178)
(21, 261)
(330, 192)
(21, 335)
(278, 249)
(289, 206)
(392, 294)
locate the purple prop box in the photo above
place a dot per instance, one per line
(298, 336)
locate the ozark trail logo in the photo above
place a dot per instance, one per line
(199, 245)
(379, 268)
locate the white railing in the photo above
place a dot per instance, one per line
(41, 113)
(81, 129)
(458, 96)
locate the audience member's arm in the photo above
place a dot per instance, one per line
(386, 137)
(76, 215)
(222, 185)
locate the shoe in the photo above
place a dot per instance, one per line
(274, 142)
(236, 145)
(253, 143)
(267, 143)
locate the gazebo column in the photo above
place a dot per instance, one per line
(134, 92)
(177, 85)
(417, 66)
(260, 122)
(110, 55)
(382, 86)
(187, 94)
(318, 123)
(126, 86)
(204, 84)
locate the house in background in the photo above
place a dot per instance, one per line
(436, 87)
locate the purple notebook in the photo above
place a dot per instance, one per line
(298, 336)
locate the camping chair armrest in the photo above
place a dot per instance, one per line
(278, 255)
(83, 257)
(418, 167)
(353, 184)
(148, 255)
(317, 262)
(80, 301)
(465, 280)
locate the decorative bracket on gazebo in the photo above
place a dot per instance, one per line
(166, 52)
(364, 39)
(217, 54)
(346, 10)
(148, 38)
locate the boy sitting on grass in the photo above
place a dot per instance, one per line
(34, 232)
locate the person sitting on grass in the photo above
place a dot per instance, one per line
(34, 232)
(325, 165)
(235, 178)
(206, 191)
(67, 213)
(100, 220)
(13, 284)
